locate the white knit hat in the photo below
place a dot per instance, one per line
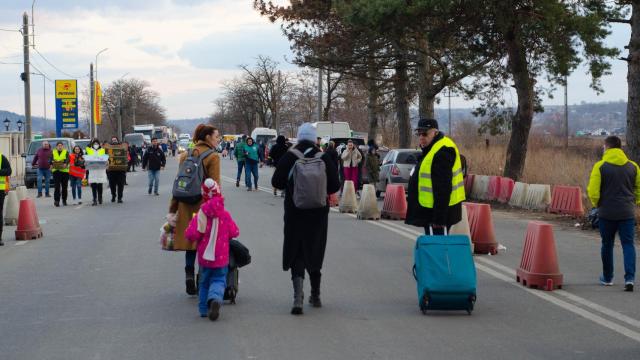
(308, 132)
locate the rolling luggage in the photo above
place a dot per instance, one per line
(238, 257)
(445, 273)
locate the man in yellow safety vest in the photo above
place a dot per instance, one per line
(5, 172)
(60, 170)
(436, 185)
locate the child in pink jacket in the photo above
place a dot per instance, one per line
(212, 228)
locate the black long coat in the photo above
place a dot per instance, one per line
(305, 231)
(442, 213)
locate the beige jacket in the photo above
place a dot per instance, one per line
(351, 158)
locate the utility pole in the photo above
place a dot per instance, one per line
(26, 77)
(92, 88)
(566, 114)
(120, 115)
(319, 94)
(133, 108)
(449, 95)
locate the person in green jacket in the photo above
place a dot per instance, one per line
(253, 157)
(239, 153)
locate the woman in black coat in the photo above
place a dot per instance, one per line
(305, 231)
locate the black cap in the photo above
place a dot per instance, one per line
(426, 124)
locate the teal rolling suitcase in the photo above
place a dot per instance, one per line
(445, 273)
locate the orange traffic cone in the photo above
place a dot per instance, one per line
(28, 223)
(539, 264)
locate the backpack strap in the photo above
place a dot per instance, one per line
(297, 153)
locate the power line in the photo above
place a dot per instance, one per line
(55, 67)
(9, 63)
(42, 73)
(9, 30)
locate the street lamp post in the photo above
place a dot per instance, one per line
(19, 123)
(95, 129)
(6, 124)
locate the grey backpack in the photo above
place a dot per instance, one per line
(186, 186)
(309, 181)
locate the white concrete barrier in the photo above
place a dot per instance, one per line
(538, 197)
(480, 187)
(519, 194)
(368, 208)
(462, 228)
(348, 202)
(12, 208)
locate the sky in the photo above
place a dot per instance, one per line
(185, 50)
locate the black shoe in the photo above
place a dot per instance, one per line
(56, 204)
(47, 195)
(113, 199)
(190, 281)
(119, 201)
(315, 301)
(1, 243)
(39, 195)
(94, 203)
(214, 310)
(149, 192)
(628, 287)
(248, 189)
(100, 201)
(238, 183)
(64, 203)
(79, 202)
(156, 194)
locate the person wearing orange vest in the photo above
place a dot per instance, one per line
(60, 169)
(76, 173)
(5, 172)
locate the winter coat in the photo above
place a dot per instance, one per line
(305, 231)
(372, 164)
(154, 159)
(43, 158)
(351, 158)
(252, 152)
(614, 186)
(227, 229)
(186, 211)
(239, 151)
(441, 174)
(278, 149)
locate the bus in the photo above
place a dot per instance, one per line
(146, 129)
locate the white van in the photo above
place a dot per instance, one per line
(332, 130)
(263, 135)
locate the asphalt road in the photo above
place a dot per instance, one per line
(98, 286)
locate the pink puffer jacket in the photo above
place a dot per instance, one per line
(227, 229)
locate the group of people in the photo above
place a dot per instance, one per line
(249, 156)
(70, 169)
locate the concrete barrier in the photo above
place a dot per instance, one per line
(519, 194)
(368, 207)
(348, 201)
(538, 197)
(462, 228)
(12, 207)
(480, 187)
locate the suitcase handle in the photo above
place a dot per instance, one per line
(431, 231)
(415, 276)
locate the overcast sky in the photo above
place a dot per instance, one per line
(183, 48)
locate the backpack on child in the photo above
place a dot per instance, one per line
(186, 186)
(309, 180)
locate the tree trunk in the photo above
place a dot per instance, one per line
(426, 99)
(524, 84)
(633, 85)
(372, 107)
(401, 92)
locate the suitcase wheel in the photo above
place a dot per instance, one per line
(472, 301)
(424, 303)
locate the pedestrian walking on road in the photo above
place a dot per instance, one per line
(211, 229)
(351, 157)
(174, 147)
(153, 161)
(206, 137)
(117, 179)
(372, 165)
(436, 186)
(60, 166)
(76, 173)
(240, 157)
(251, 160)
(42, 160)
(614, 188)
(5, 172)
(276, 153)
(133, 158)
(95, 149)
(305, 230)
(232, 147)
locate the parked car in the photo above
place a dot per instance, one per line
(183, 145)
(31, 173)
(396, 168)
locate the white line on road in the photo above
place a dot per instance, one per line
(506, 276)
(20, 243)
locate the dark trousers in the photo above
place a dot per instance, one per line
(116, 183)
(60, 185)
(2, 195)
(131, 165)
(96, 191)
(298, 269)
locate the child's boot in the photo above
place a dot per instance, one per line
(214, 310)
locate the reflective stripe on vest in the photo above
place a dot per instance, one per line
(425, 186)
(60, 157)
(4, 180)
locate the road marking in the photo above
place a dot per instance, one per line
(506, 276)
(18, 243)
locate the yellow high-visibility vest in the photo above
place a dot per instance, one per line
(91, 151)
(4, 180)
(60, 157)
(425, 185)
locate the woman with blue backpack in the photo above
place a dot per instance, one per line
(307, 176)
(206, 139)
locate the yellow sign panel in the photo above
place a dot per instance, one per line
(97, 104)
(66, 89)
